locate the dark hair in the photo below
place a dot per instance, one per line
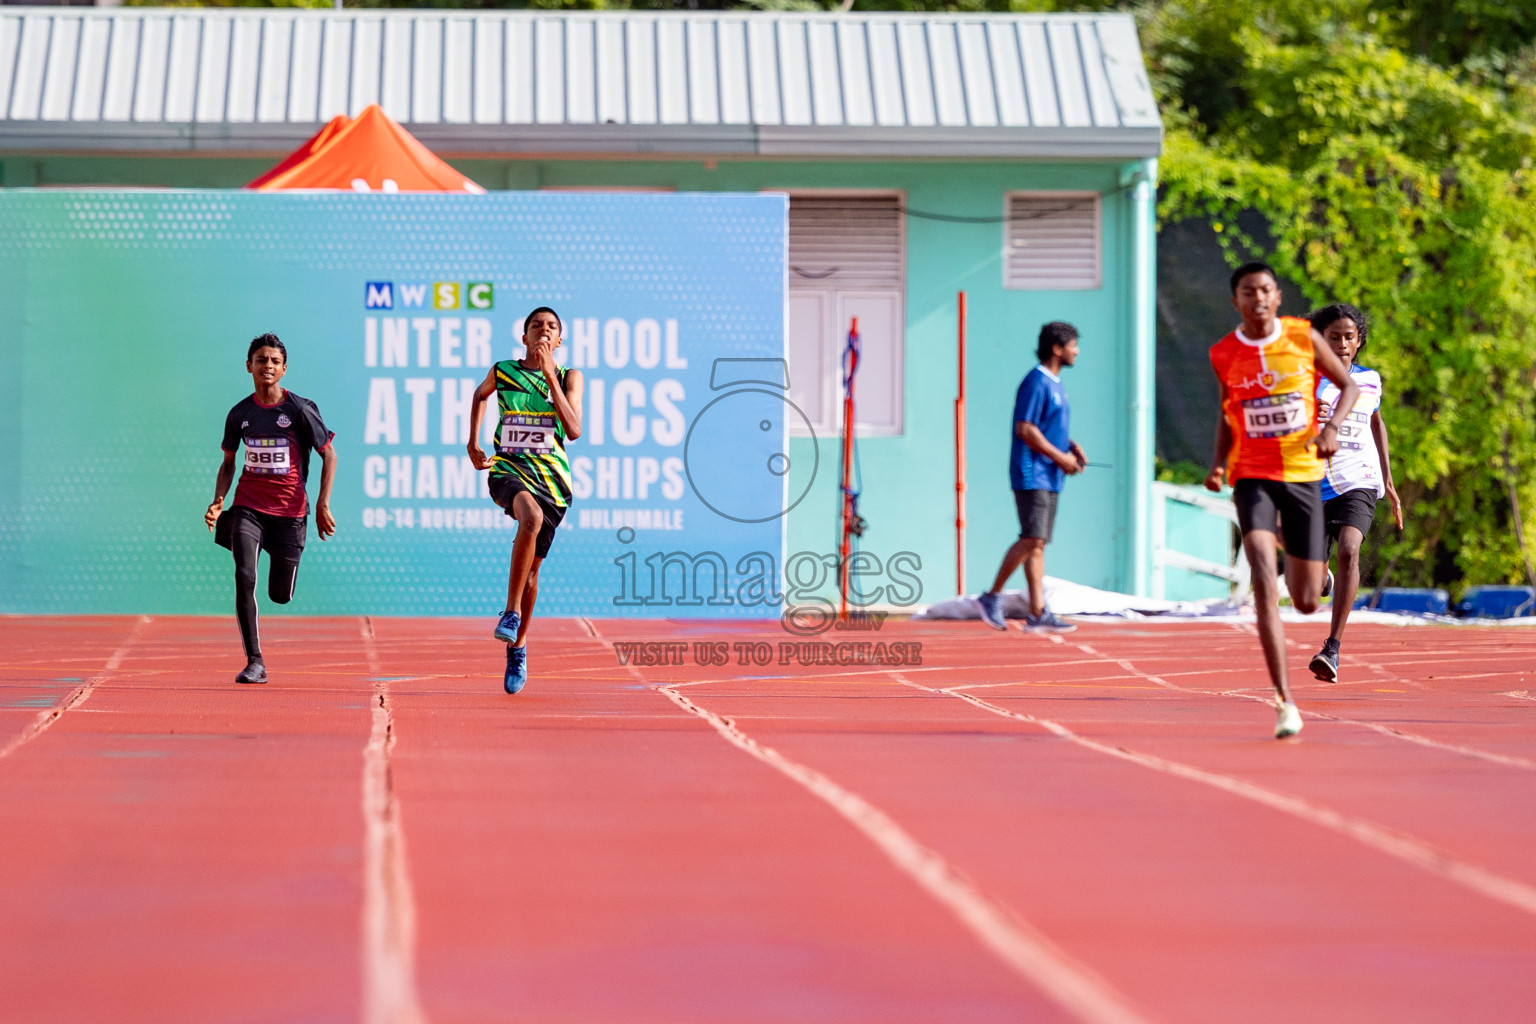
(1052, 334)
(266, 341)
(1253, 268)
(1329, 315)
(543, 309)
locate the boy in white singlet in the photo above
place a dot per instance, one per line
(1357, 475)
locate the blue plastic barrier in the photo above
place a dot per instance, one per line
(1407, 601)
(1497, 602)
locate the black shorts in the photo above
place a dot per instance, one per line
(282, 537)
(1037, 513)
(504, 490)
(1352, 508)
(1293, 510)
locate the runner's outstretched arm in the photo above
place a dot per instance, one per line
(1222, 446)
(1349, 393)
(476, 416)
(220, 488)
(325, 523)
(1379, 433)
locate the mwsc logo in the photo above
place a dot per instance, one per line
(414, 295)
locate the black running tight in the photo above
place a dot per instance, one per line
(281, 577)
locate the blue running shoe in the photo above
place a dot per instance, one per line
(506, 627)
(991, 613)
(517, 669)
(1047, 622)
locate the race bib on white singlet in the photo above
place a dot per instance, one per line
(1275, 415)
(270, 456)
(524, 433)
(1355, 434)
(1357, 464)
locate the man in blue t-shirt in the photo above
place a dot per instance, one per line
(1043, 455)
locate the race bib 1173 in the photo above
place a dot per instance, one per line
(268, 455)
(527, 433)
(1275, 415)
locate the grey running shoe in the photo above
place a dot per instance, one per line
(1327, 590)
(991, 612)
(254, 672)
(1048, 622)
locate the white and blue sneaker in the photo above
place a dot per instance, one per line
(991, 611)
(1047, 622)
(506, 627)
(1287, 720)
(517, 669)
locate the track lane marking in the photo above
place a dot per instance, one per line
(79, 695)
(1507, 760)
(1073, 986)
(1030, 954)
(389, 902)
(1400, 845)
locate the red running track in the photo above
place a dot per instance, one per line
(1095, 828)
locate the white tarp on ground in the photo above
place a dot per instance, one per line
(1066, 598)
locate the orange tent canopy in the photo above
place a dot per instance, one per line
(370, 153)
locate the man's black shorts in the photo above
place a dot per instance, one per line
(1352, 508)
(1298, 507)
(282, 537)
(504, 490)
(1037, 513)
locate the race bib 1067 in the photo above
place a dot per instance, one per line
(1275, 415)
(527, 433)
(268, 455)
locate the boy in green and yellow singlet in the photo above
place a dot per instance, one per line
(538, 411)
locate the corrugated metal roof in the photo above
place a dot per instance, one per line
(525, 82)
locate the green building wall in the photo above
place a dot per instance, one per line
(908, 481)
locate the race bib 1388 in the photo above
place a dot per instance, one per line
(269, 455)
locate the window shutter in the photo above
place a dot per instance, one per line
(845, 242)
(846, 260)
(1051, 241)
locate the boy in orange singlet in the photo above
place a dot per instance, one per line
(1270, 447)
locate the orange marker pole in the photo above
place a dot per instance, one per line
(845, 546)
(960, 461)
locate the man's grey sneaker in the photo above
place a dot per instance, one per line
(1325, 664)
(254, 672)
(991, 611)
(1047, 622)
(517, 669)
(1287, 721)
(506, 627)
(1327, 590)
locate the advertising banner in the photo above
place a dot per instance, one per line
(125, 319)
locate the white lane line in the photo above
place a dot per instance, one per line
(1030, 954)
(1384, 730)
(1508, 760)
(389, 904)
(78, 695)
(1518, 694)
(1404, 847)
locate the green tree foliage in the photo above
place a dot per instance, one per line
(1405, 187)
